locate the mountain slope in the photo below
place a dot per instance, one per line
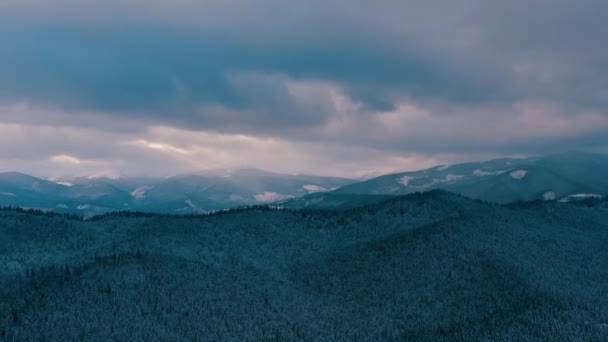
(26, 191)
(501, 180)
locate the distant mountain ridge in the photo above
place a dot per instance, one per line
(183, 194)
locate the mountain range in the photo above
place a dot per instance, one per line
(560, 177)
(182, 194)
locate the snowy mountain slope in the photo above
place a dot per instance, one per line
(501, 180)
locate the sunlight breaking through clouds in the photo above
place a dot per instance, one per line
(65, 159)
(160, 147)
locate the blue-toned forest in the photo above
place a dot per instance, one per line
(424, 267)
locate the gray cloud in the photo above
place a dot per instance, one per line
(166, 71)
(398, 78)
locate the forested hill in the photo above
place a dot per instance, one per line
(432, 266)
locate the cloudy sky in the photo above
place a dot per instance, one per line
(339, 87)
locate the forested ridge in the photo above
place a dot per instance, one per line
(423, 267)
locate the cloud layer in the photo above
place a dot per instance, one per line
(340, 87)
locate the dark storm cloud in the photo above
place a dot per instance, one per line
(463, 52)
(168, 74)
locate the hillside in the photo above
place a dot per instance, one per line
(423, 267)
(552, 177)
(331, 200)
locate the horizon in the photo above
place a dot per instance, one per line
(222, 171)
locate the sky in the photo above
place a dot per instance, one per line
(340, 87)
